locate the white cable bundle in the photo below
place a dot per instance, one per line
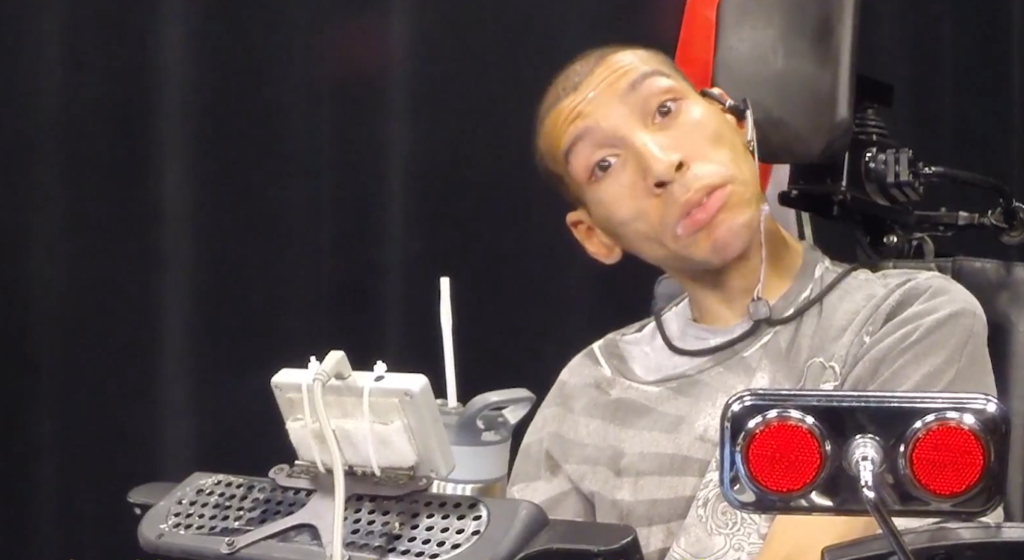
(335, 366)
(447, 342)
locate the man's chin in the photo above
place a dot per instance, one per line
(713, 251)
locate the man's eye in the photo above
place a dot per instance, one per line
(665, 110)
(603, 165)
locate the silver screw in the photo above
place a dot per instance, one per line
(889, 239)
(229, 542)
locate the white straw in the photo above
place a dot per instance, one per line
(447, 341)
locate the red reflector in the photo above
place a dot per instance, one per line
(784, 457)
(947, 460)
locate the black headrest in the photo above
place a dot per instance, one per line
(794, 60)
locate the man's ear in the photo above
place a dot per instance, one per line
(594, 241)
(721, 93)
(741, 124)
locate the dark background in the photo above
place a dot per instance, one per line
(197, 193)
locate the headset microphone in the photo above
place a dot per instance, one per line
(738, 109)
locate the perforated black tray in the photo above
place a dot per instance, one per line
(194, 520)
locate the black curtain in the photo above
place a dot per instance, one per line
(201, 193)
(197, 194)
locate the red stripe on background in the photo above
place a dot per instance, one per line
(695, 52)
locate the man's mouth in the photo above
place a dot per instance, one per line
(700, 214)
(702, 201)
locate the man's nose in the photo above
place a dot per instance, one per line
(668, 175)
(664, 164)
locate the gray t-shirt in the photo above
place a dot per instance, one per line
(629, 432)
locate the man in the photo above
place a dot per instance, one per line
(629, 431)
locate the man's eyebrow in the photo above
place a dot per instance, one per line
(643, 77)
(579, 137)
(634, 85)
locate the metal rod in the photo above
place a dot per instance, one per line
(874, 504)
(865, 457)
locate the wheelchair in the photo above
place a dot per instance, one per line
(213, 515)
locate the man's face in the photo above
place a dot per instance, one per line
(662, 173)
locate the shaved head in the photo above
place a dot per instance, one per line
(568, 82)
(651, 167)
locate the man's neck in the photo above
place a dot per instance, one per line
(720, 298)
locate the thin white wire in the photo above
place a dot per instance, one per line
(369, 433)
(759, 289)
(314, 365)
(337, 468)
